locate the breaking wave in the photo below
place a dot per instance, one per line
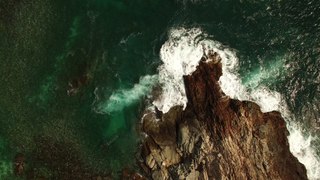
(180, 55)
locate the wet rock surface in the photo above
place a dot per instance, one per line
(216, 137)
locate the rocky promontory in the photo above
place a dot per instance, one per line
(216, 137)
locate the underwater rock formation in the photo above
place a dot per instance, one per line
(216, 137)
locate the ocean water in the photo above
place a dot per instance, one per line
(77, 75)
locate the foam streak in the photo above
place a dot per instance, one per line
(125, 97)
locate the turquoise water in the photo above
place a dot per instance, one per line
(102, 49)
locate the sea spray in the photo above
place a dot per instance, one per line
(300, 147)
(120, 99)
(125, 97)
(181, 54)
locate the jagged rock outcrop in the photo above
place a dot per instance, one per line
(216, 137)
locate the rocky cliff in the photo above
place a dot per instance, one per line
(216, 137)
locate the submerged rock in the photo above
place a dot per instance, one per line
(216, 137)
(19, 164)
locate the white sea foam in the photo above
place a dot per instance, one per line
(300, 146)
(180, 56)
(125, 97)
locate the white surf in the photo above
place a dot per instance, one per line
(180, 55)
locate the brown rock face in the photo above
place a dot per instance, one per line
(216, 137)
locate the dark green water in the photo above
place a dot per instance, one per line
(46, 44)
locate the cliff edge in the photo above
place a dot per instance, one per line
(216, 137)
